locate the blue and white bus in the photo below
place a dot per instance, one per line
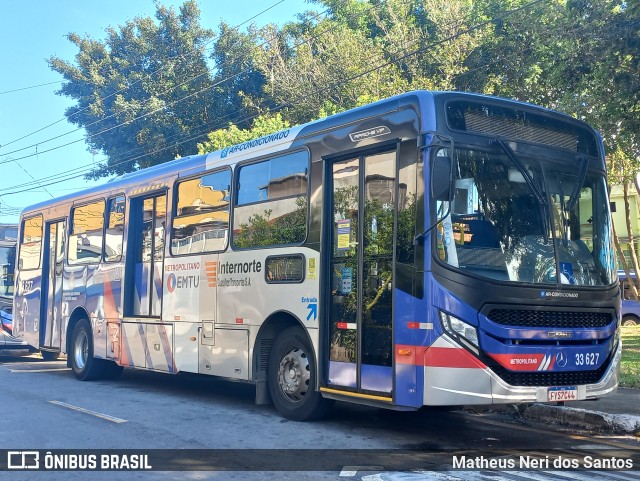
(431, 249)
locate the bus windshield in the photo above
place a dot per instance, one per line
(523, 219)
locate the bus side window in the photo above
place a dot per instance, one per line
(272, 202)
(31, 243)
(115, 229)
(201, 223)
(85, 236)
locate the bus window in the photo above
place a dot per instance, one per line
(271, 206)
(201, 223)
(31, 243)
(115, 229)
(7, 266)
(85, 239)
(8, 232)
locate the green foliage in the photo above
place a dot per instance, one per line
(262, 125)
(630, 363)
(131, 94)
(145, 93)
(261, 230)
(237, 77)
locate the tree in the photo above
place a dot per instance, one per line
(261, 125)
(144, 93)
(315, 69)
(237, 78)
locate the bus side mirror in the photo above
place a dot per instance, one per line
(441, 179)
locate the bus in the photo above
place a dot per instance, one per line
(430, 249)
(8, 238)
(8, 343)
(7, 266)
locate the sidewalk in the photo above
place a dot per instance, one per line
(618, 413)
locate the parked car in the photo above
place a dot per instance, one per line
(630, 306)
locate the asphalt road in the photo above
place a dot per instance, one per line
(213, 429)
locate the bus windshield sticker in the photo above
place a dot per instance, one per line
(344, 234)
(311, 268)
(346, 273)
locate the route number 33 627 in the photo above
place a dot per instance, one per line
(587, 359)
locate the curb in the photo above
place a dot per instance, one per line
(582, 418)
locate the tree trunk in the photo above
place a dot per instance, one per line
(632, 243)
(625, 266)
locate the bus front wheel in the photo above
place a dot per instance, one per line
(292, 378)
(85, 367)
(629, 321)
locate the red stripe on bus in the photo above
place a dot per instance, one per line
(437, 357)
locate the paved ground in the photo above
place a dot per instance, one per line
(617, 413)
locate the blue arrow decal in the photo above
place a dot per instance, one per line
(313, 311)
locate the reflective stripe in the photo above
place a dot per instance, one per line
(437, 357)
(346, 325)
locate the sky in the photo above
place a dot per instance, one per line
(31, 31)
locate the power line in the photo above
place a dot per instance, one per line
(118, 91)
(202, 131)
(332, 86)
(163, 107)
(30, 87)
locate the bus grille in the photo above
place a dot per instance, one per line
(571, 378)
(550, 319)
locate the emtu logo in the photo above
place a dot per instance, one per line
(212, 273)
(171, 282)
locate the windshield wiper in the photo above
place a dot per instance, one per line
(542, 200)
(523, 170)
(582, 173)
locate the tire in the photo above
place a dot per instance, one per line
(84, 366)
(292, 378)
(50, 355)
(629, 321)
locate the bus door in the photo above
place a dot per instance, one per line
(52, 269)
(146, 246)
(361, 201)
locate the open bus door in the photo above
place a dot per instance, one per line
(362, 213)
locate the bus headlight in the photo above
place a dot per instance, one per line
(460, 330)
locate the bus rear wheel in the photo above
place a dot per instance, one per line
(85, 367)
(292, 378)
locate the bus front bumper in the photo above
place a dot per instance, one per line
(445, 386)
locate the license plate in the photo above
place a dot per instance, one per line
(565, 393)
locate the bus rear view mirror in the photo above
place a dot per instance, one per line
(441, 178)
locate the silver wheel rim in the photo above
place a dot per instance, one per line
(294, 374)
(81, 350)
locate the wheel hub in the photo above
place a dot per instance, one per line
(294, 374)
(81, 350)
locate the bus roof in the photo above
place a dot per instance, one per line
(276, 142)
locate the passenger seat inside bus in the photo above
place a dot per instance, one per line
(483, 234)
